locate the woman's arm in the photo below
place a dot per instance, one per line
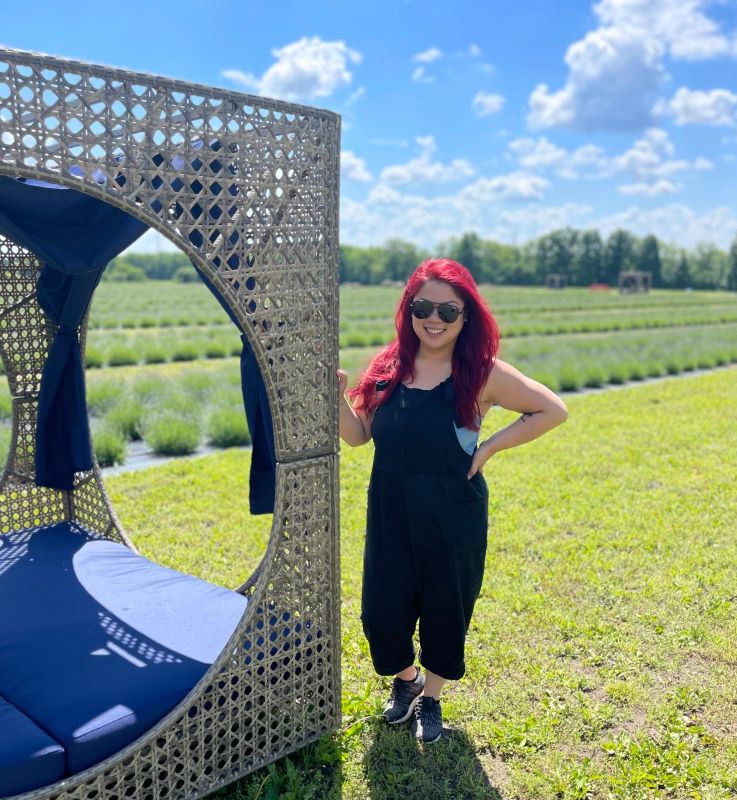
(541, 411)
(354, 426)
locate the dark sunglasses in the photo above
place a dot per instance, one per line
(448, 312)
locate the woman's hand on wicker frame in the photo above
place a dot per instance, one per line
(342, 382)
(355, 428)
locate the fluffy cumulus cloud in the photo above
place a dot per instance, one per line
(681, 25)
(428, 56)
(653, 189)
(354, 168)
(676, 223)
(304, 70)
(616, 73)
(650, 160)
(485, 103)
(529, 222)
(388, 213)
(393, 211)
(423, 169)
(614, 80)
(420, 75)
(514, 186)
(691, 107)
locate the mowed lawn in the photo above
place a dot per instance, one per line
(602, 659)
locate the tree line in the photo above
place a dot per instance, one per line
(583, 256)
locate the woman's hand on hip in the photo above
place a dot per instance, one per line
(480, 457)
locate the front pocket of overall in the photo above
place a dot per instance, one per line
(459, 489)
(465, 514)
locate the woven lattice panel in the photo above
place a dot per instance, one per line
(90, 507)
(276, 686)
(23, 506)
(25, 333)
(247, 187)
(25, 336)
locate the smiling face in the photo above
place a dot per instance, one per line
(434, 334)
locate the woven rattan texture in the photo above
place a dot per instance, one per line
(25, 335)
(275, 687)
(248, 189)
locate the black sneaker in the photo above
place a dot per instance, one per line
(427, 725)
(403, 698)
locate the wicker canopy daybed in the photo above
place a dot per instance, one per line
(120, 678)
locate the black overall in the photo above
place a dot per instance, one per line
(425, 535)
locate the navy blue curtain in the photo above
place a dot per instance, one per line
(262, 479)
(75, 236)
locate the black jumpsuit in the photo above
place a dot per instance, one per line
(425, 535)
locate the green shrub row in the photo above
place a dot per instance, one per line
(173, 415)
(572, 377)
(153, 352)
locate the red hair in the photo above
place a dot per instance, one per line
(473, 355)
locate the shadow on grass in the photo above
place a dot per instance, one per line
(397, 766)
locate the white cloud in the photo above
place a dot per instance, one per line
(474, 50)
(360, 92)
(387, 213)
(424, 170)
(659, 187)
(485, 103)
(676, 223)
(514, 186)
(680, 24)
(354, 168)
(616, 71)
(650, 161)
(532, 221)
(534, 153)
(614, 80)
(428, 56)
(304, 70)
(692, 107)
(420, 75)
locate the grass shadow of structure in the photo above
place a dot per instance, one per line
(397, 766)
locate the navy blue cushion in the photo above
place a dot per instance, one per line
(29, 758)
(102, 642)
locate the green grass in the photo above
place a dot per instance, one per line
(601, 656)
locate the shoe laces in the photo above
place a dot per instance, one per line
(427, 705)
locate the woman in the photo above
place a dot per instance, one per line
(422, 400)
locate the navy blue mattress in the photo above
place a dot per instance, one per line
(100, 643)
(28, 757)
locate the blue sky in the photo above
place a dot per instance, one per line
(509, 119)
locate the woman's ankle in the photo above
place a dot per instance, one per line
(409, 674)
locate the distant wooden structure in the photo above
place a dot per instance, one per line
(632, 281)
(556, 281)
